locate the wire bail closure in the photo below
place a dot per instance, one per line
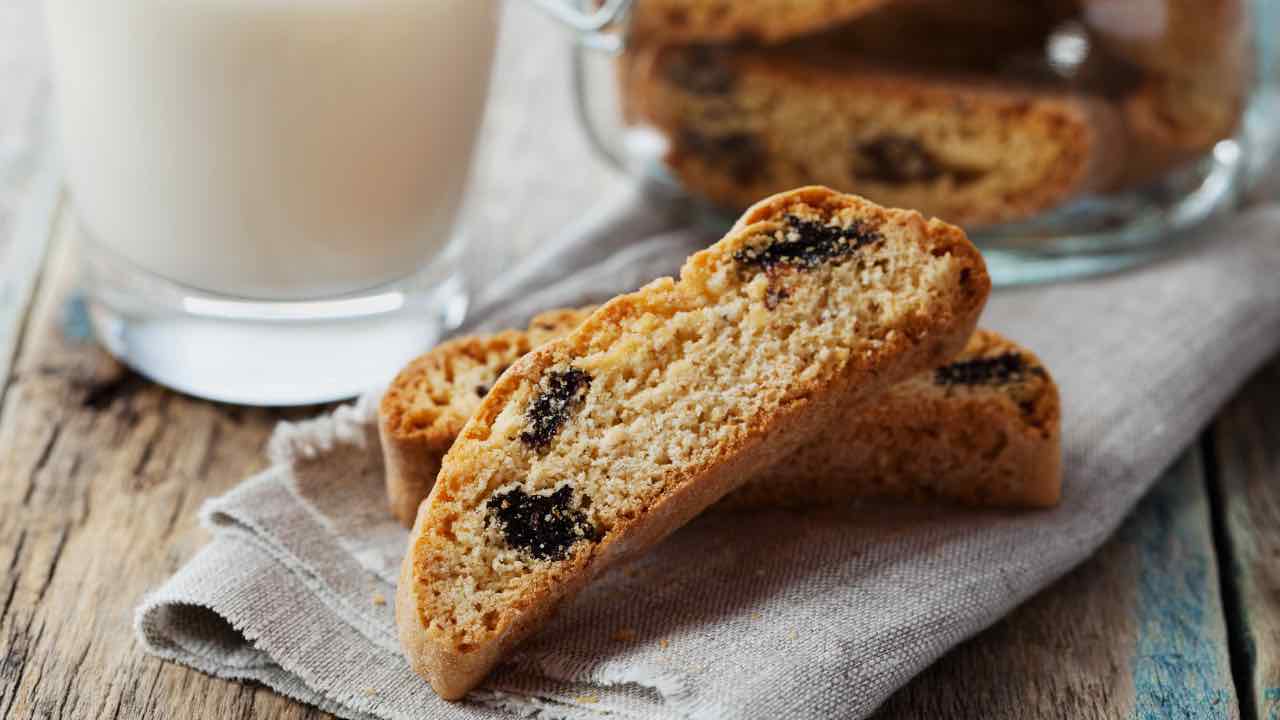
(592, 27)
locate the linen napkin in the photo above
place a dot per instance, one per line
(821, 613)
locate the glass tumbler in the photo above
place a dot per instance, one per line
(266, 190)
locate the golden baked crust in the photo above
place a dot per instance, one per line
(743, 122)
(595, 446)
(421, 413)
(766, 21)
(983, 430)
(977, 125)
(425, 407)
(991, 440)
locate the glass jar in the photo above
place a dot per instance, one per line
(1067, 136)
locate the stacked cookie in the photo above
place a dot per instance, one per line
(981, 429)
(824, 350)
(980, 111)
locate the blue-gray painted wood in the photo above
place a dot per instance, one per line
(1247, 444)
(1136, 632)
(1181, 662)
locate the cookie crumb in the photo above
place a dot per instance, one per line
(588, 699)
(664, 643)
(757, 616)
(371, 691)
(379, 599)
(624, 634)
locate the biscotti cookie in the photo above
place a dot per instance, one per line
(724, 20)
(981, 430)
(742, 123)
(1185, 114)
(1171, 36)
(992, 37)
(1196, 58)
(594, 447)
(425, 407)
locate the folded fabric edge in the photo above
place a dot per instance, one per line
(271, 676)
(588, 706)
(213, 630)
(158, 638)
(307, 439)
(327, 567)
(676, 689)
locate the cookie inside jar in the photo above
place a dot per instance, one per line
(984, 112)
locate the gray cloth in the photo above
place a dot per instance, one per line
(769, 614)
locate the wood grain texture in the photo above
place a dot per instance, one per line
(101, 472)
(101, 475)
(1246, 440)
(1135, 632)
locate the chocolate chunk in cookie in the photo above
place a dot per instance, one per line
(561, 391)
(996, 370)
(806, 245)
(700, 70)
(899, 160)
(741, 154)
(894, 159)
(544, 526)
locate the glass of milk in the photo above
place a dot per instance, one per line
(267, 189)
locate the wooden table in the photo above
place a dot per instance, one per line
(101, 473)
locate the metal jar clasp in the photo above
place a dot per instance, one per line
(595, 28)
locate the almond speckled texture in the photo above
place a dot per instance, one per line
(425, 407)
(749, 121)
(720, 20)
(693, 383)
(995, 442)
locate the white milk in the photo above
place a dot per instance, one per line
(276, 149)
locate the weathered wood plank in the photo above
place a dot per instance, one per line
(1135, 632)
(94, 517)
(101, 477)
(1246, 441)
(101, 472)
